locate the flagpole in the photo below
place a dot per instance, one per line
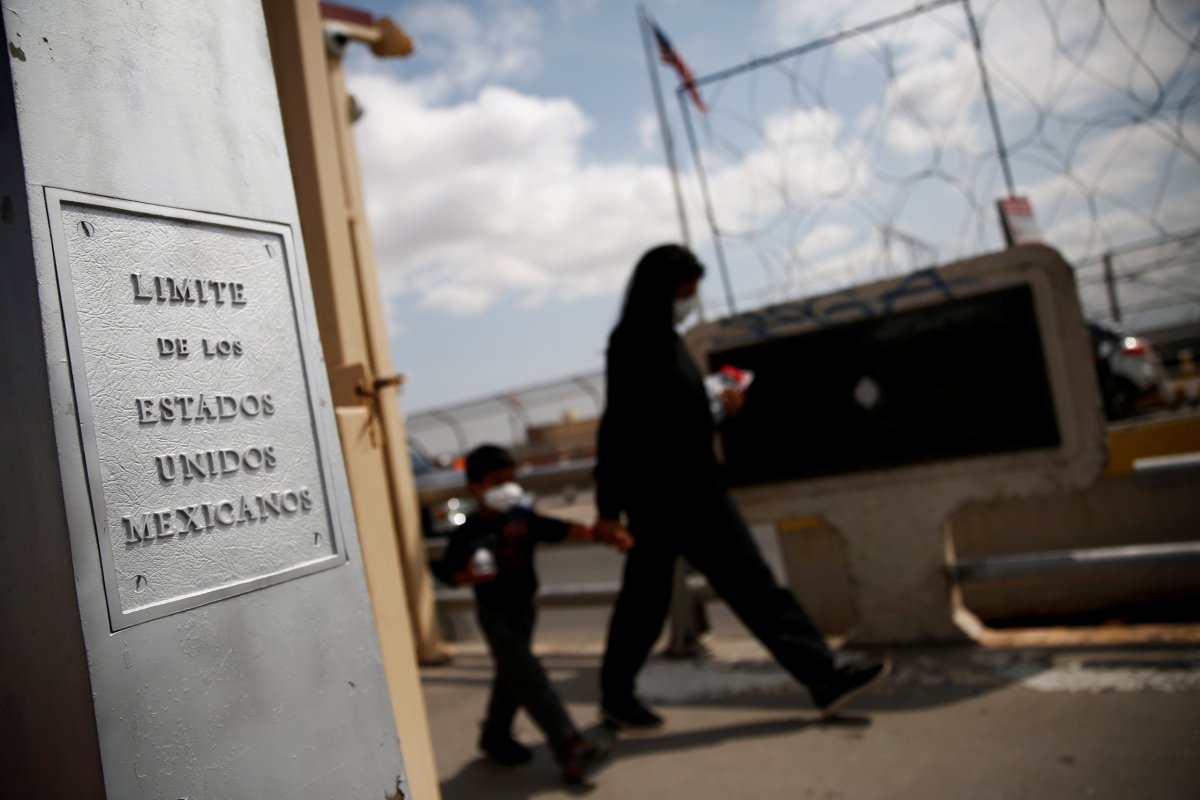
(668, 144)
(708, 206)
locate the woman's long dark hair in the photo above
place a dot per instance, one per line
(650, 296)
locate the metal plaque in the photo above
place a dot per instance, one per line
(192, 365)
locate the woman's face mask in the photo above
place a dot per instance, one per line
(684, 308)
(505, 497)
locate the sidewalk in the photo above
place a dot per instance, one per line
(1105, 713)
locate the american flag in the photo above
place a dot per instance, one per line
(669, 56)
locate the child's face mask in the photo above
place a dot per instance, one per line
(684, 308)
(505, 497)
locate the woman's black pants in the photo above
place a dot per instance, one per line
(712, 535)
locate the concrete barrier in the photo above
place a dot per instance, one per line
(1120, 543)
(1136, 536)
(912, 453)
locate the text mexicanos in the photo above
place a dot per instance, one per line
(200, 517)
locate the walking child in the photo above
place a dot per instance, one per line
(493, 552)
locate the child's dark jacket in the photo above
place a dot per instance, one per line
(511, 539)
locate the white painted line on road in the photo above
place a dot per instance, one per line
(1170, 675)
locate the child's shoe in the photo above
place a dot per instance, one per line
(503, 749)
(579, 755)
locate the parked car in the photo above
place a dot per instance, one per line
(440, 517)
(444, 516)
(1127, 368)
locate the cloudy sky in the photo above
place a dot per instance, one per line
(514, 168)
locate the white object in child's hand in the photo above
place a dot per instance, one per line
(483, 562)
(717, 383)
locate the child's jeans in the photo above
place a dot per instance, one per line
(520, 680)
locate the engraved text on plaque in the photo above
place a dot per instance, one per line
(190, 355)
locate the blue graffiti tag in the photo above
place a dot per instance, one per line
(835, 308)
(918, 283)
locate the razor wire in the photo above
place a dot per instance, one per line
(870, 153)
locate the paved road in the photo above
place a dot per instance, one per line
(1084, 722)
(1028, 719)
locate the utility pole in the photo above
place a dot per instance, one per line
(1110, 284)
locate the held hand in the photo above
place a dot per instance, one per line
(733, 400)
(618, 538)
(478, 577)
(473, 577)
(612, 533)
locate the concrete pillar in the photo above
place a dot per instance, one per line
(891, 507)
(184, 608)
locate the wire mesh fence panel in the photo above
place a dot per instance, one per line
(1143, 285)
(873, 151)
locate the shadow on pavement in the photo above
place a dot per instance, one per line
(920, 679)
(737, 680)
(659, 742)
(541, 775)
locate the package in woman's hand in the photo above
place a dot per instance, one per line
(727, 377)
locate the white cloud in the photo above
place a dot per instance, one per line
(922, 67)
(489, 198)
(1079, 56)
(802, 160)
(1103, 195)
(911, 42)
(827, 237)
(1064, 57)
(481, 194)
(572, 8)
(791, 22)
(935, 103)
(1074, 81)
(470, 50)
(648, 132)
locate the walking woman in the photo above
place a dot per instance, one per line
(655, 463)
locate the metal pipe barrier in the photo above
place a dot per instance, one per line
(1158, 466)
(1059, 562)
